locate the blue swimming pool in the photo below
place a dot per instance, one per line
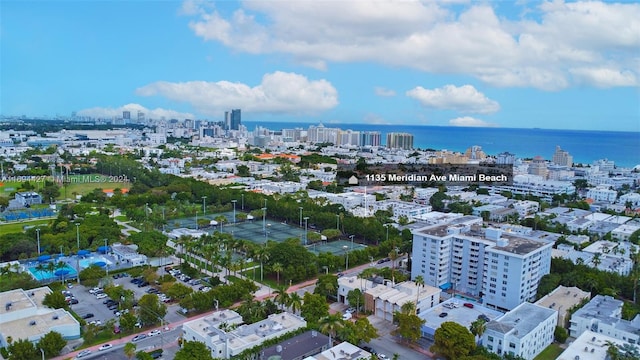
(85, 263)
(44, 275)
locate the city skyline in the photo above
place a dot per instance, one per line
(514, 65)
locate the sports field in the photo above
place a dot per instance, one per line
(74, 184)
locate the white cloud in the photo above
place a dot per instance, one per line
(539, 49)
(279, 92)
(467, 121)
(604, 77)
(157, 113)
(449, 97)
(384, 92)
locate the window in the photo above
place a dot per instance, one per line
(490, 338)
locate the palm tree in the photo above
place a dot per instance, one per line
(596, 259)
(60, 265)
(282, 297)
(408, 308)
(262, 255)
(41, 268)
(277, 267)
(130, 350)
(295, 302)
(419, 280)
(51, 268)
(478, 328)
(330, 325)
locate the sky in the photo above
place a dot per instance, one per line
(511, 64)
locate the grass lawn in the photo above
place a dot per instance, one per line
(550, 353)
(82, 188)
(18, 227)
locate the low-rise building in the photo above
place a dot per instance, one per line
(28, 198)
(298, 347)
(343, 351)
(24, 317)
(603, 314)
(591, 345)
(384, 300)
(563, 299)
(524, 331)
(224, 335)
(128, 254)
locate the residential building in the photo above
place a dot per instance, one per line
(591, 345)
(384, 300)
(455, 310)
(536, 186)
(526, 207)
(603, 314)
(298, 347)
(602, 193)
(538, 166)
(501, 267)
(564, 299)
(25, 317)
(214, 331)
(400, 141)
(402, 209)
(350, 283)
(524, 331)
(505, 158)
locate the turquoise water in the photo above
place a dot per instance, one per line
(85, 263)
(46, 275)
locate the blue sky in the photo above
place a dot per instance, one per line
(566, 65)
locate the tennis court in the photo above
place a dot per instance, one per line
(337, 247)
(254, 230)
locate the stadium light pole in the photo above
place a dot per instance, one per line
(337, 221)
(234, 210)
(204, 206)
(300, 215)
(264, 219)
(306, 230)
(351, 237)
(242, 196)
(38, 237)
(78, 254)
(106, 249)
(346, 250)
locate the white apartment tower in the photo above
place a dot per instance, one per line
(503, 269)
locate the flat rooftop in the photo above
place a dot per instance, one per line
(38, 324)
(563, 298)
(520, 245)
(596, 346)
(206, 326)
(297, 346)
(460, 314)
(256, 333)
(344, 351)
(19, 299)
(522, 319)
(604, 308)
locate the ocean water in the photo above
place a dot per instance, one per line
(584, 145)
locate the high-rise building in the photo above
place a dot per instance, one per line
(126, 115)
(370, 138)
(400, 141)
(140, 117)
(504, 269)
(475, 153)
(562, 157)
(236, 119)
(505, 158)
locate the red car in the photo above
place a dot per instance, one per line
(469, 305)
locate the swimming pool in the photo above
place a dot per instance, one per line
(47, 275)
(85, 263)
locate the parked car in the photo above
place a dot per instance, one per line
(154, 333)
(469, 305)
(105, 347)
(143, 284)
(116, 329)
(382, 356)
(101, 296)
(443, 315)
(484, 317)
(88, 316)
(73, 301)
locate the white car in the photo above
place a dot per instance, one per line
(105, 347)
(95, 290)
(154, 333)
(83, 353)
(382, 357)
(101, 296)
